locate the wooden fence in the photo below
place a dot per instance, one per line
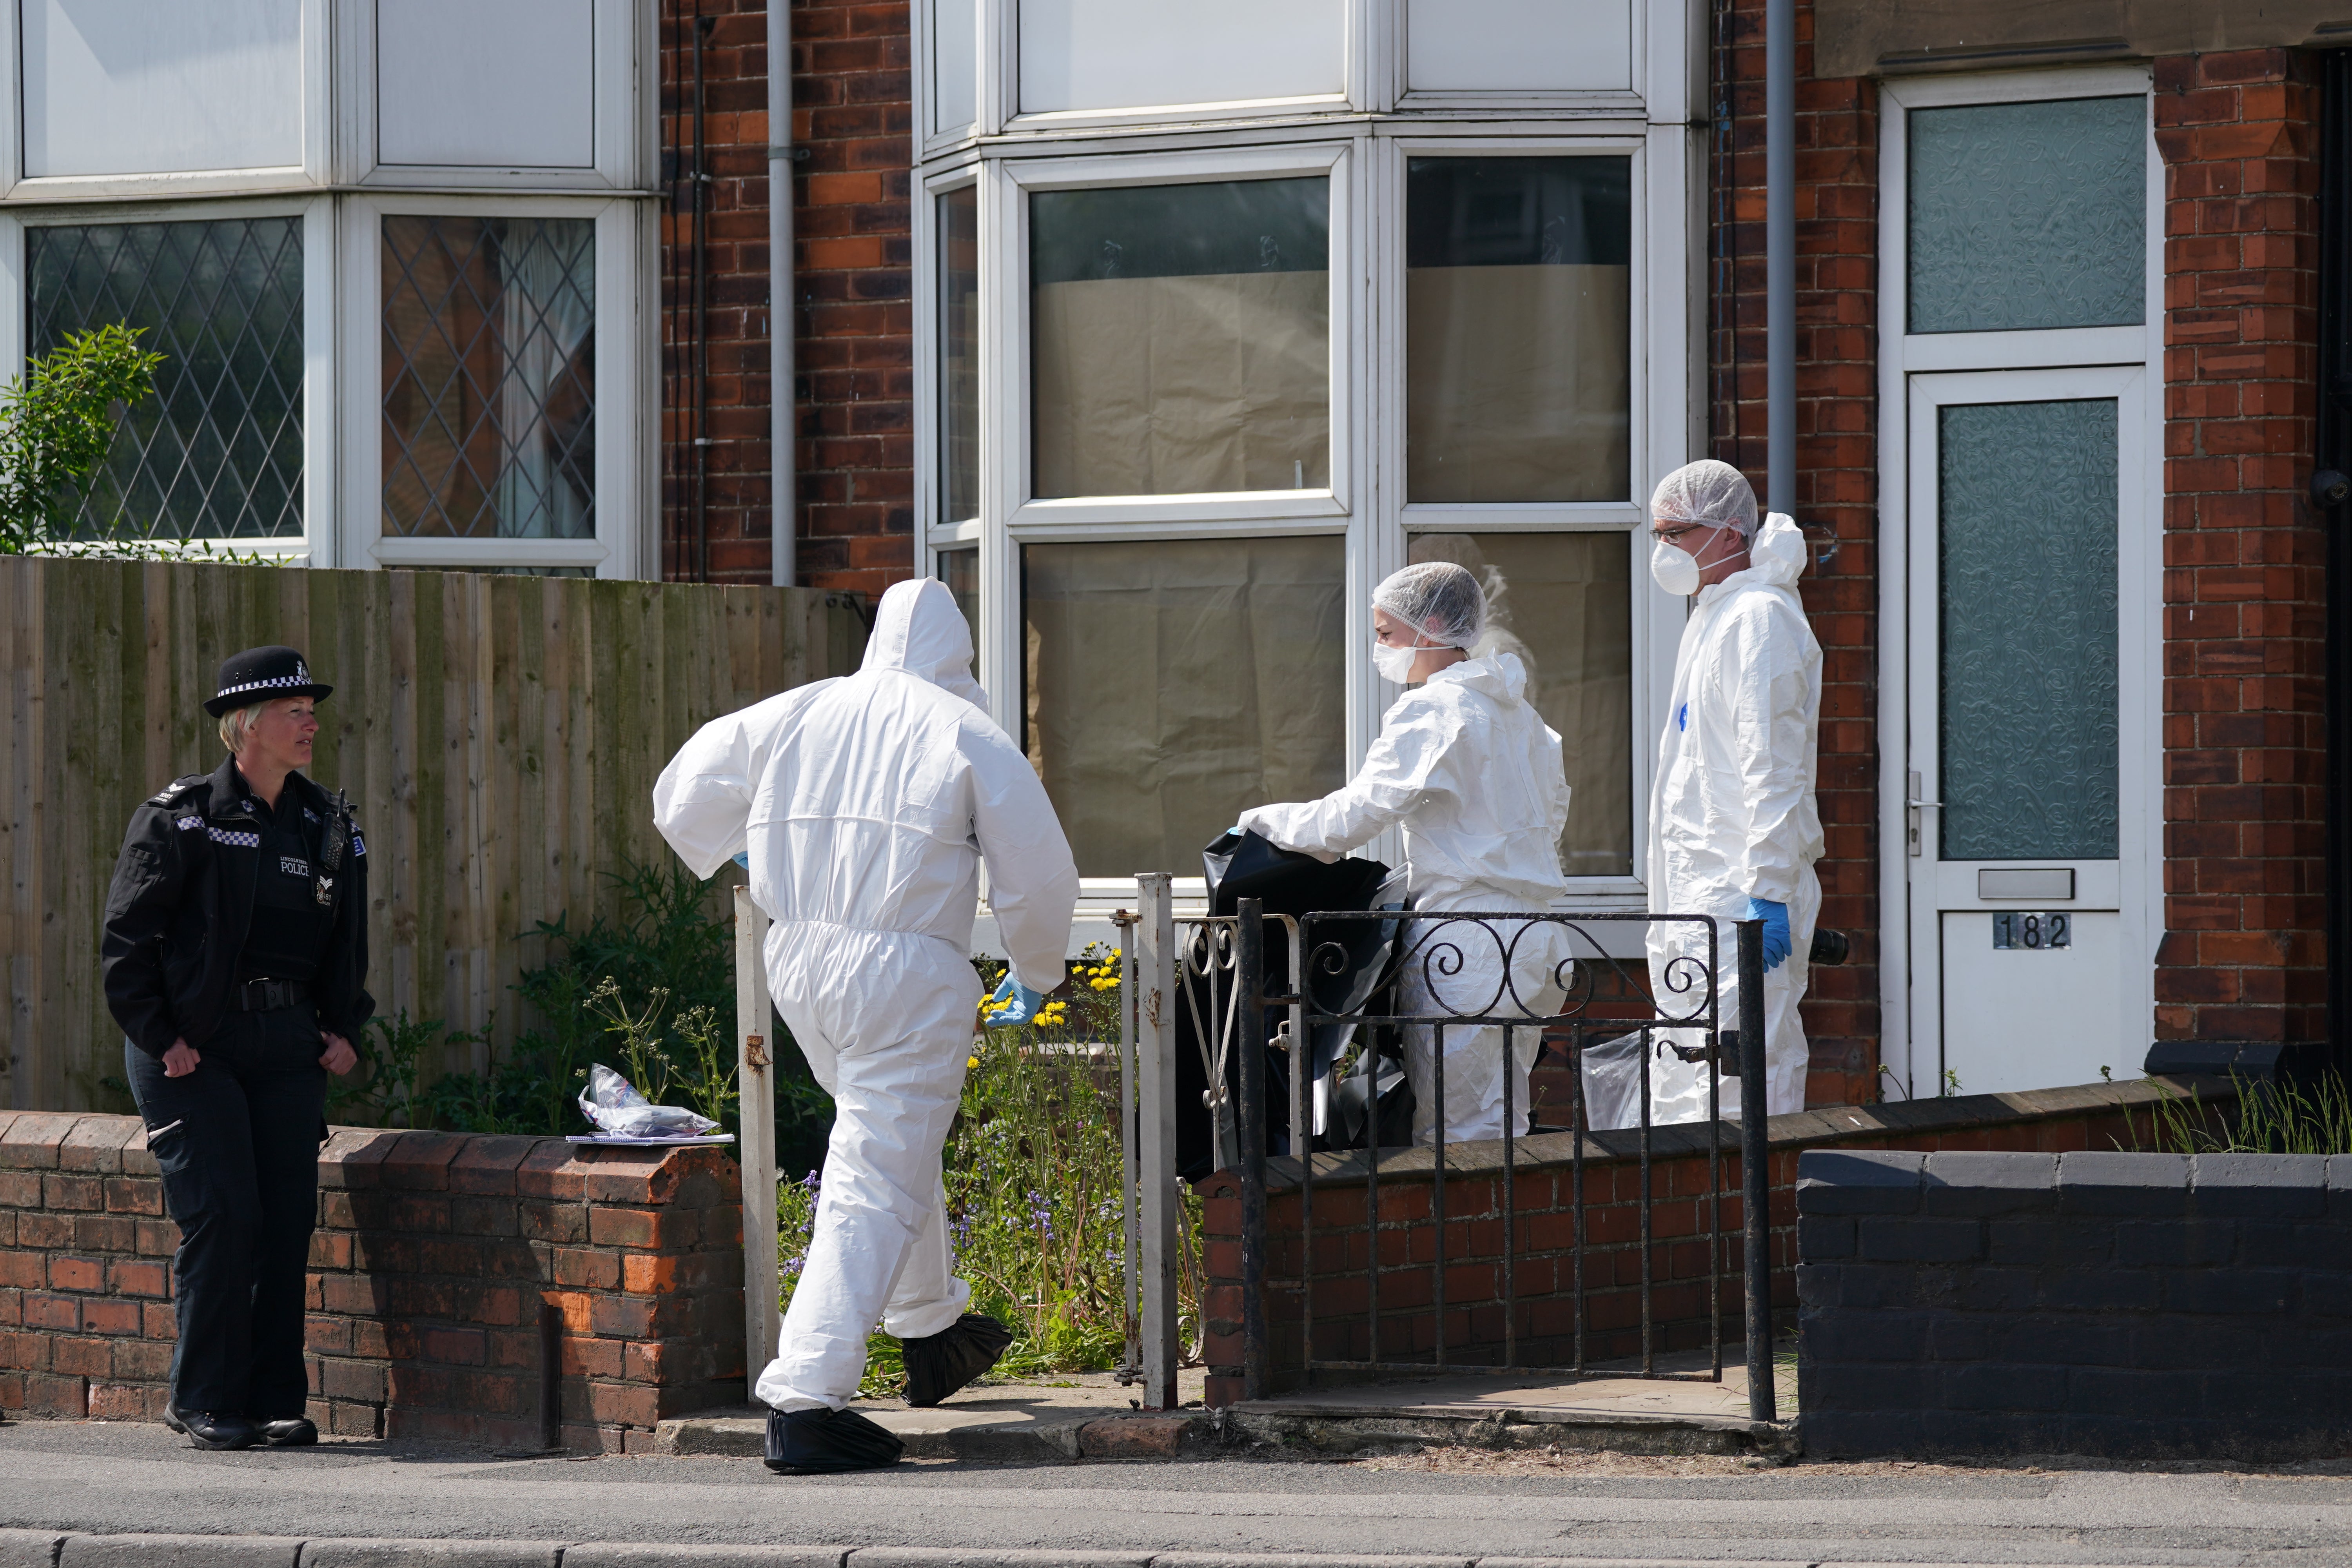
(498, 737)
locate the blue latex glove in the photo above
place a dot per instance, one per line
(744, 859)
(1776, 930)
(1012, 1002)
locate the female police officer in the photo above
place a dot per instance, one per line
(236, 957)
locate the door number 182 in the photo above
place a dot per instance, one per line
(2032, 930)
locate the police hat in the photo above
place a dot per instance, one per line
(260, 674)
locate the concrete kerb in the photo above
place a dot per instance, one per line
(56, 1549)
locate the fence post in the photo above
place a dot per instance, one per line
(755, 1144)
(1754, 1172)
(1155, 1113)
(1249, 943)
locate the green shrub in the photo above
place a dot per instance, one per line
(2271, 1117)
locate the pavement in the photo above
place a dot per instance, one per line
(100, 1495)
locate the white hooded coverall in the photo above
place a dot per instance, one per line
(1473, 776)
(866, 803)
(1732, 814)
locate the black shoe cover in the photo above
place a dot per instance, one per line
(828, 1442)
(939, 1364)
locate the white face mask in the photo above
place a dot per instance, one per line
(1395, 664)
(1677, 570)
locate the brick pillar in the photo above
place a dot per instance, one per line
(1837, 480)
(2245, 614)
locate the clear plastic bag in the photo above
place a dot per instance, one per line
(613, 1103)
(1613, 1083)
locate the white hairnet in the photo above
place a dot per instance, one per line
(1707, 492)
(1441, 600)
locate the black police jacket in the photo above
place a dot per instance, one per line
(183, 899)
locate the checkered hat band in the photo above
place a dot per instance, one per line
(240, 840)
(273, 682)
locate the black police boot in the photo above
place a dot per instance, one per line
(939, 1364)
(294, 1432)
(828, 1442)
(210, 1429)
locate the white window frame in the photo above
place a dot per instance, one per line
(1656, 438)
(627, 502)
(627, 51)
(315, 546)
(319, 69)
(1902, 355)
(967, 174)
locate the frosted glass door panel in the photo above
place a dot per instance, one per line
(463, 83)
(1520, 46)
(2028, 215)
(955, 86)
(152, 86)
(2027, 601)
(1181, 338)
(1168, 687)
(1140, 54)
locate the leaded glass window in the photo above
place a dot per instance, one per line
(489, 377)
(216, 451)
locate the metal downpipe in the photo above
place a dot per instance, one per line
(1780, 254)
(783, 502)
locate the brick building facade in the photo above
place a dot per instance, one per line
(2236, 929)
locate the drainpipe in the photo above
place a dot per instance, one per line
(1780, 254)
(784, 481)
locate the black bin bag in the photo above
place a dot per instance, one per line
(1245, 866)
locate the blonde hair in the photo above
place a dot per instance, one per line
(236, 725)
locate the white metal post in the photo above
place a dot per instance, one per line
(1155, 1034)
(755, 1146)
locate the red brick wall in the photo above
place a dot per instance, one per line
(854, 344)
(1837, 480)
(435, 1257)
(2101, 1116)
(2244, 613)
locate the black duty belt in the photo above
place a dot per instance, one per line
(264, 995)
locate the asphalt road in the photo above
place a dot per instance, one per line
(104, 1478)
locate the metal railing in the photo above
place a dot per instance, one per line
(1509, 971)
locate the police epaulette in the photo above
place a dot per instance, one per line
(172, 791)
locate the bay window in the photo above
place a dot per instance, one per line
(1221, 366)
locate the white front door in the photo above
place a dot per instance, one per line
(2032, 802)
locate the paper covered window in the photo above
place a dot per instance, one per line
(1167, 686)
(1181, 338)
(1562, 603)
(489, 376)
(1518, 330)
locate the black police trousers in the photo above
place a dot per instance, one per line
(237, 1139)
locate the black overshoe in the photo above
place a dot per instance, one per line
(939, 1364)
(827, 1443)
(210, 1429)
(294, 1432)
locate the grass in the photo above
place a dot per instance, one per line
(2272, 1117)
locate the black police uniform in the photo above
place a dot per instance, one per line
(241, 929)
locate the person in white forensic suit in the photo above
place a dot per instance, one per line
(864, 806)
(1734, 830)
(1473, 778)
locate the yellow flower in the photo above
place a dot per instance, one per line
(970, 1062)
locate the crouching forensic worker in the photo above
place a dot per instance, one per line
(235, 956)
(865, 806)
(1474, 777)
(1734, 832)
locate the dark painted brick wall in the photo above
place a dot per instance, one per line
(2125, 1305)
